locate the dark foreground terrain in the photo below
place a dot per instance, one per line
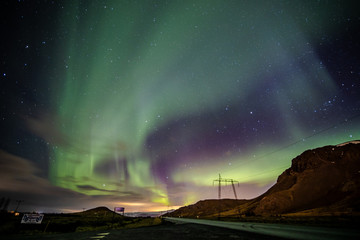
(166, 231)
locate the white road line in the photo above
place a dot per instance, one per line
(100, 235)
(280, 230)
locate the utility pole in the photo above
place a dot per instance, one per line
(6, 204)
(18, 204)
(232, 183)
(219, 181)
(225, 180)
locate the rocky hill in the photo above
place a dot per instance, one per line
(98, 211)
(320, 182)
(210, 207)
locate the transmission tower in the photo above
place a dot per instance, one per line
(18, 204)
(225, 180)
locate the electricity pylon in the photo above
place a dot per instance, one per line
(225, 180)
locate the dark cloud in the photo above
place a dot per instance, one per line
(116, 168)
(20, 180)
(46, 126)
(92, 188)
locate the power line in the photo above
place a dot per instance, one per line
(264, 172)
(346, 120)
(314, 134)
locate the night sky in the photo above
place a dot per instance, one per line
(141, 104)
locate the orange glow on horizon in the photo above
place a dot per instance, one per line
(162, 208)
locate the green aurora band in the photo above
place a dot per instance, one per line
(126, 69)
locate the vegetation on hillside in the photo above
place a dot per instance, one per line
(91, 220)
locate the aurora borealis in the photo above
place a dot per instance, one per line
(141, 104)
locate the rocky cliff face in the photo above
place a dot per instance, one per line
(322, 181)
(327, 177)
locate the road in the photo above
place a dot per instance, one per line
(279, 230)
(187, 231)
(197, 229)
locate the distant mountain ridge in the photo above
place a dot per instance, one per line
(322, 181)
(104, 211)
(96, 211)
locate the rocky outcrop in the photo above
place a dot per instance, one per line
(320, 181)
(317, 178)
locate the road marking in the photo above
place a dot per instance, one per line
(100, 235)
(280, 230)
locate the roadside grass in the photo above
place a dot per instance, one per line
(65, 223)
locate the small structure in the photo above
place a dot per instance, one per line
(119, 210)
(32, 218)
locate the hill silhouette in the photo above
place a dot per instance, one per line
(320, 182)
(98, 211)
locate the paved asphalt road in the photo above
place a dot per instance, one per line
(160, 232)
(200, 231)
(279, 230)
